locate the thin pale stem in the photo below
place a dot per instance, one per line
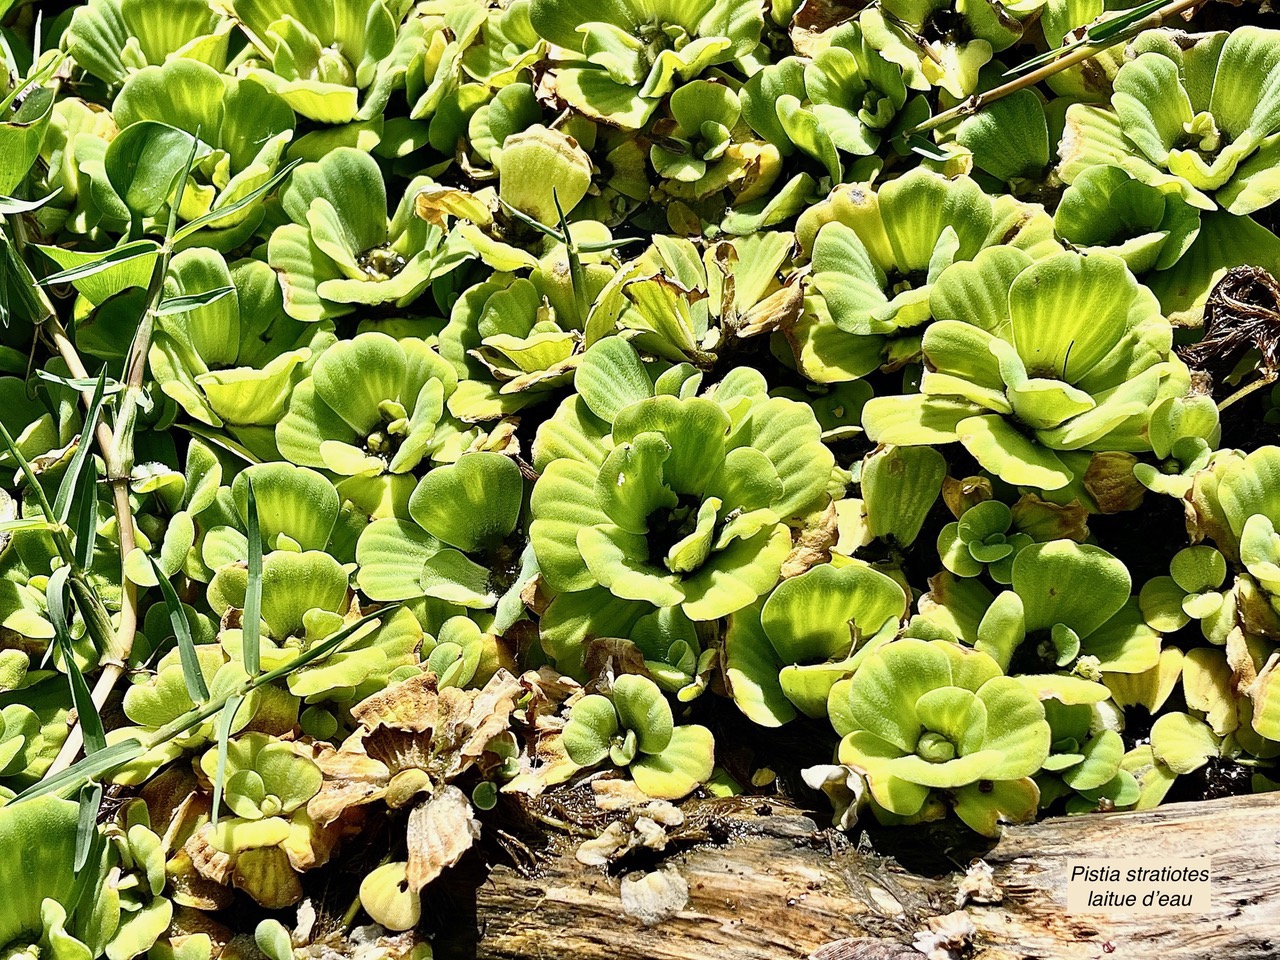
(979, 100)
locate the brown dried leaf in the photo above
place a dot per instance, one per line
(1043, 521)
(410, 706)
(1110, 481)
(778, 311)
(812, 543)
(960, 495)
(534, 595)
(351, 777)
(440, 831)
(609, 657)
(210, 863)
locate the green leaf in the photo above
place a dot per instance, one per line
(147, 162)
(251, 621)
(67, 488)
(94, 765)
(191, 673)
(642, 708)
(172, 305)
(90, 720)
(225, 720)
(222, 213)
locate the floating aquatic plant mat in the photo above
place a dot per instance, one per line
(747, 478)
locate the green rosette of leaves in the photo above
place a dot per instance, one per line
(333, 61)
(514, 340)
(633, 727)
(846, 99)
(923, 716)
(374, 406)
(1084, 764)
(875, 255)
(246, 126)
(306, 600)
(651, 495)
(115, 39)
(982, 540)
(266, 785)
(1107, 210)
(619, 66)
(945, 43)
(341, 251)
(236, 360)
(1193, 590)
(459, 543)
(298, 510)
(1068, 608)
(783, 656)
(1202, 119)
(1027, 359)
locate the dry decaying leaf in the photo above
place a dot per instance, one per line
(441, 830)
(1242, 311)
(415, 739)
(412, 732)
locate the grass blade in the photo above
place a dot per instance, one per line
(36, 489)
(71, 479)
(79, 383)
(225, 720)
(182, 186)
(12, 205)
(252, 619)
(196, 689)
(191, 301)
(87, 826)
(112, 258)
(79, 773)
(86, 518)
(213, 216)
(95, 737)
(90, 844)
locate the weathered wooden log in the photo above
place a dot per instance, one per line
(778, 886)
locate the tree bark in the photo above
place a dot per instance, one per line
(769, 884)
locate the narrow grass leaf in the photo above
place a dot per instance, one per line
(12, 205)
(80, 384)
(182, 186)
(190, 301)
(75, 776)
(90, 801)
(71, 479)
(36, 489)
(225, 719)
(252, 619)
(220, 213)
(95, 737)
(112, 258)
(196, 689)
(85, 526)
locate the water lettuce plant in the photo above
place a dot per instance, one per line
(922, 716)
(1028, 358)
